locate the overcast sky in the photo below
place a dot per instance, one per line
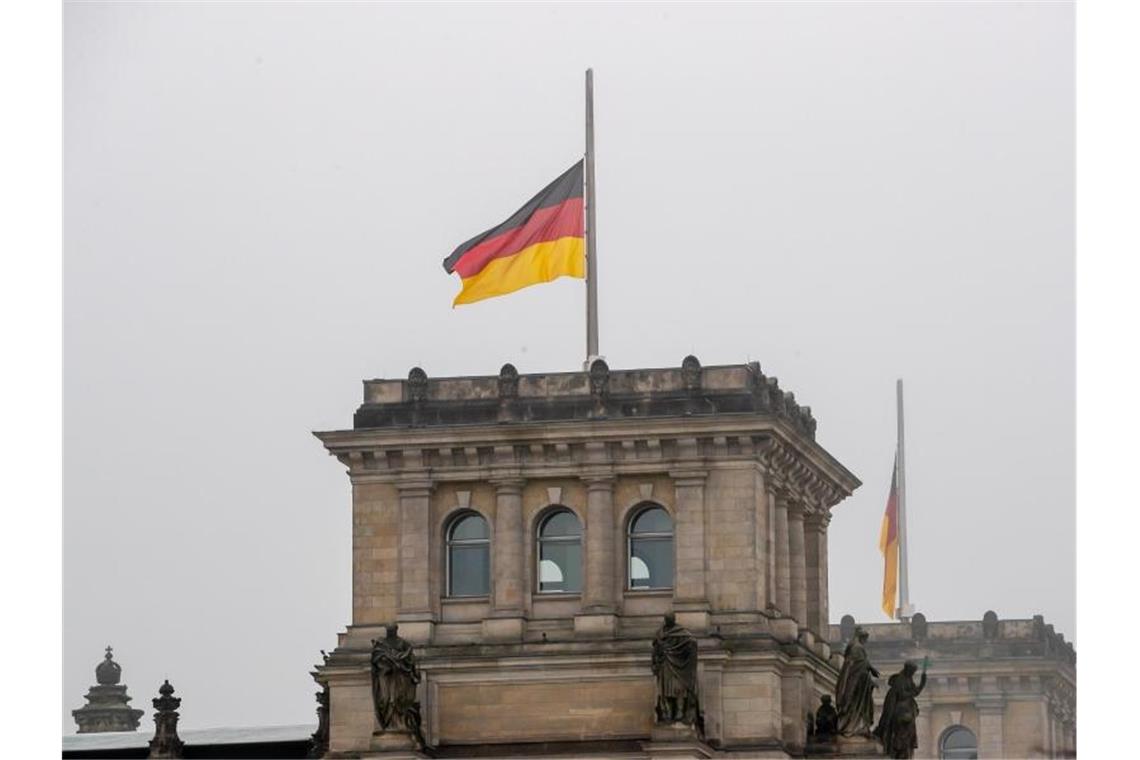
(258, 198)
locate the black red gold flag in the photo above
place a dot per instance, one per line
(542, 241)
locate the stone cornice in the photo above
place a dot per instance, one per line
(623, 446)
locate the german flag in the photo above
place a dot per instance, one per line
(889, 545)
(542, 241)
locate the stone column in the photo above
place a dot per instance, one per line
(506, 621)
(598, 601)
(797, 560)
(783, 563)
(815, 546)
(824, 580)
(415, 592)
(991, 735)
(690, 597)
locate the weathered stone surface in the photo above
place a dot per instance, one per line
(708, 445)
(108, 706)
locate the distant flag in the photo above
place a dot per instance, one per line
(542, 241)
(889, 546)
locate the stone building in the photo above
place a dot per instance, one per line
(528, 533)
(996, 688)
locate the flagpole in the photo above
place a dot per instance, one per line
(591, 230)
(904, 611)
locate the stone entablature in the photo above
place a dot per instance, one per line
(1011, 682)
(730, 459)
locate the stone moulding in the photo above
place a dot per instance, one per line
(538, 451)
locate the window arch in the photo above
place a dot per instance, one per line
(958, 743)
(560, 553)
(650, 549)
(468, 556)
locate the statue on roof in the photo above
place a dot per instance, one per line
(897, 725)
(854, 691)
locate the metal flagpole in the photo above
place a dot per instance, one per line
(591, 230)
(905, 610)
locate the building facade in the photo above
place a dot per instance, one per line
(995, 688)
(528, 533)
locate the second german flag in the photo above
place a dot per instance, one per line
(889, 546)
(542, 241)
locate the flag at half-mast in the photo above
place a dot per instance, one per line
(889, 546)
(542, 241)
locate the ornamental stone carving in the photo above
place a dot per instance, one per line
(854, 690)
(691, 373)
(990, 625)
(166, 743)
(417, 384)
(675, 667)
(918, 627)
(508, 382)
(395, 677)
(599, 386)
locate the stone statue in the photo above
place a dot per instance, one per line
(675, 666)
(319, 741)
(854, 696)
(826, 720)
(897, 730)
(394, 680)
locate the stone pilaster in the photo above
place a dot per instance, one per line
(598, 601)
(507, 557)
(415, 600)
(991, 729)
(797, 561)
(783, 561)
(690, 595)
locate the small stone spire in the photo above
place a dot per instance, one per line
(107, 707)
(166, 743)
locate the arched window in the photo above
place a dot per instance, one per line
(468, 556)
(958, 743)
(651, 549)
(560, 553)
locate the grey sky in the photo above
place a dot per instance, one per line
(258, 197)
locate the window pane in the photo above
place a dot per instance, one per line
(470, 570)
(471, 526)
(654, 555)
(560, 566)
(960, 744)
(561, 524)
(654, 520)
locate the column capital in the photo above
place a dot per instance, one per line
(507, 484)
(689, 477)
(598, 481)
(990, 703)
(415, 486)
(817, 520)
(796, 510)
